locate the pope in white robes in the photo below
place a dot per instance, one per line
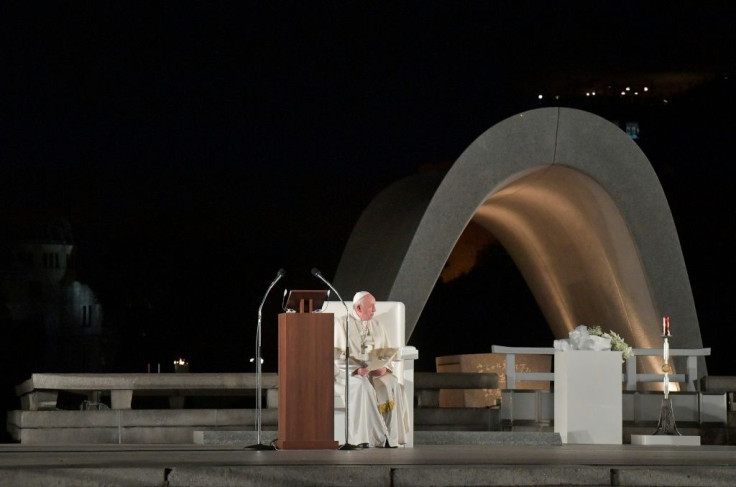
(378, 414)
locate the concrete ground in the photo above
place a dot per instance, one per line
(425, 466)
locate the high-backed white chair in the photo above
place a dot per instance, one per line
(391, 316)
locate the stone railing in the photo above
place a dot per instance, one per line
(41, 390)
(631, 377)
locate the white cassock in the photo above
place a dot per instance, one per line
(377, 407)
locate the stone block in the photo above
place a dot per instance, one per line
(239, 437)
(675, 476)
(510, 438)
(82, 477)
(68, 436)
(154, 435)
(33, 401)
(318, 476)
(491, 476)
(121, 399)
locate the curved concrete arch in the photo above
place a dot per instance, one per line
(373, 263)
(573, 200)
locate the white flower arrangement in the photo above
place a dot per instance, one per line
(595, 339)
(617, 343)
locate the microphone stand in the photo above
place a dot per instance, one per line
(347, 445)
(259, 399)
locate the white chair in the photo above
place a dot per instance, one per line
(391, 315)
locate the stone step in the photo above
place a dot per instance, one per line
(245, 438)
(529, 438)
(233, 438)
(480, 419)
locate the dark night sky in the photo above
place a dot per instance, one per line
(196, 148)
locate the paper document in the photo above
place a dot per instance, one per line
(381, 357)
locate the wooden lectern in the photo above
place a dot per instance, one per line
(306, 376)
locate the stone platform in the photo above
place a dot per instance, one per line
(425, 466)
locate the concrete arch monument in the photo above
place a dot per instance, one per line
(573, 200)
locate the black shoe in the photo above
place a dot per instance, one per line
(386, 445)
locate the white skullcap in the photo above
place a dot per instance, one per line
(358, 296)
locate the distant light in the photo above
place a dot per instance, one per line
(540, 97)
(666, 101)
(594, 93)
(623, 92)
(628, 88)
(636, 92)
(253, 360)
(646, 88)
(587, 94)
(557, 97)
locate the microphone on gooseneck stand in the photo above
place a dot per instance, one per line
(259, 406)
(347, 446)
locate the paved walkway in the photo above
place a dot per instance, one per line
(426, 466)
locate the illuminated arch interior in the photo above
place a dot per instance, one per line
(573, 248)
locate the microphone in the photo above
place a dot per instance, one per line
(279, 275)
(347, 446)
(316, 273)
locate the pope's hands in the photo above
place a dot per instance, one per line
(363, 371)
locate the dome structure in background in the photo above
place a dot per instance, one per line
(41, 298)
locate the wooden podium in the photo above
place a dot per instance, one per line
(306, 377)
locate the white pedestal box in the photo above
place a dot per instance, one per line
(588, 397)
